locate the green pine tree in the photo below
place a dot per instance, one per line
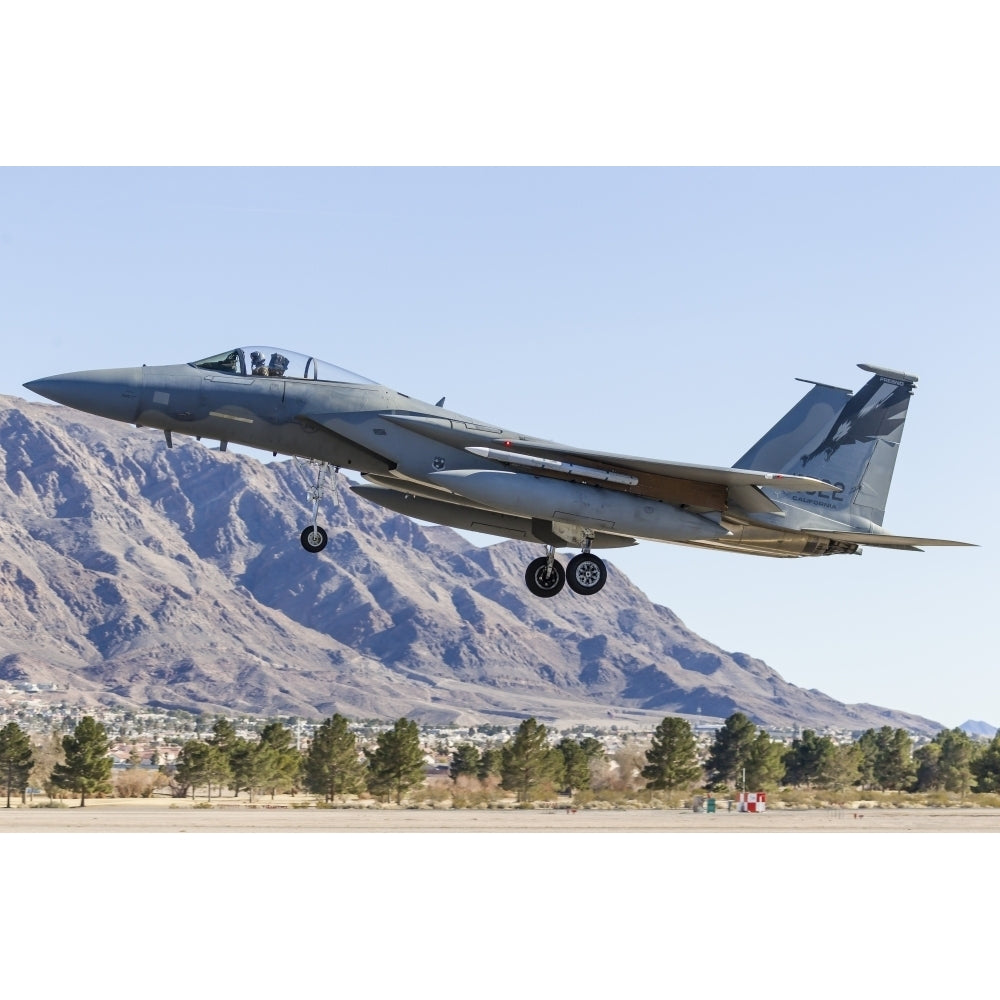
(672, 758)
(577, 756)
(88, 767)
(728, 753)
(892, 763)
(223, 735)
(867, 744)
(945, 764)
(201, 763)
(528, 767)
(397, 763)
(810, 760)
(986, 767)
(490, 762)
(464, 760)
(16, 759)
(764, 763)
(845, 770)
(282, 762)
(332, 765)
(250, 763)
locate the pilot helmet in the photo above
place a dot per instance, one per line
(257, 358)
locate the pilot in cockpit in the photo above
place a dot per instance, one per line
(278, 365)
(257, 366)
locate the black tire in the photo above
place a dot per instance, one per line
(313, 538)
(586, 573)
(543, 582)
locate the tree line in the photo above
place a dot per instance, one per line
(743, 756)
(84, 770)
(333, 766)
(528, 764)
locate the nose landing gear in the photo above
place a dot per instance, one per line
(314, 538)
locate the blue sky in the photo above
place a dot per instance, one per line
(655, 311)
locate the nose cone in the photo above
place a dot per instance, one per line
(111, 393)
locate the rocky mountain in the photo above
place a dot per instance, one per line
(978, 728)
(135, 574)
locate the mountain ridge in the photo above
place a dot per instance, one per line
(147, 575)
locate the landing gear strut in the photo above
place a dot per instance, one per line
(314, 538)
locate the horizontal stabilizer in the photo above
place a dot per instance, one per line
(887, 541)
(751, 500)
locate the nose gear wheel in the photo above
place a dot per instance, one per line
(314, 538)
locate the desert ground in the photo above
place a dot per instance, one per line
(159, 816)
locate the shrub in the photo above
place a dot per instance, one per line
(471, 793)
(433, 794)
(938, 799)
(985, 800)
(135, 784)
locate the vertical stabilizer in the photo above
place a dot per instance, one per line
(785, 443)
(849, 441)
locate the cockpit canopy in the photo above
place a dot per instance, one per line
(276, 362)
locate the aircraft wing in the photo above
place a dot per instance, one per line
(705, 486)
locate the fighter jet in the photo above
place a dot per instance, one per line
(814, 485)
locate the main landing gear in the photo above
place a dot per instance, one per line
(585, 574)
(314, 538)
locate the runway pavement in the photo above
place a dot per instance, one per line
(143, 816)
